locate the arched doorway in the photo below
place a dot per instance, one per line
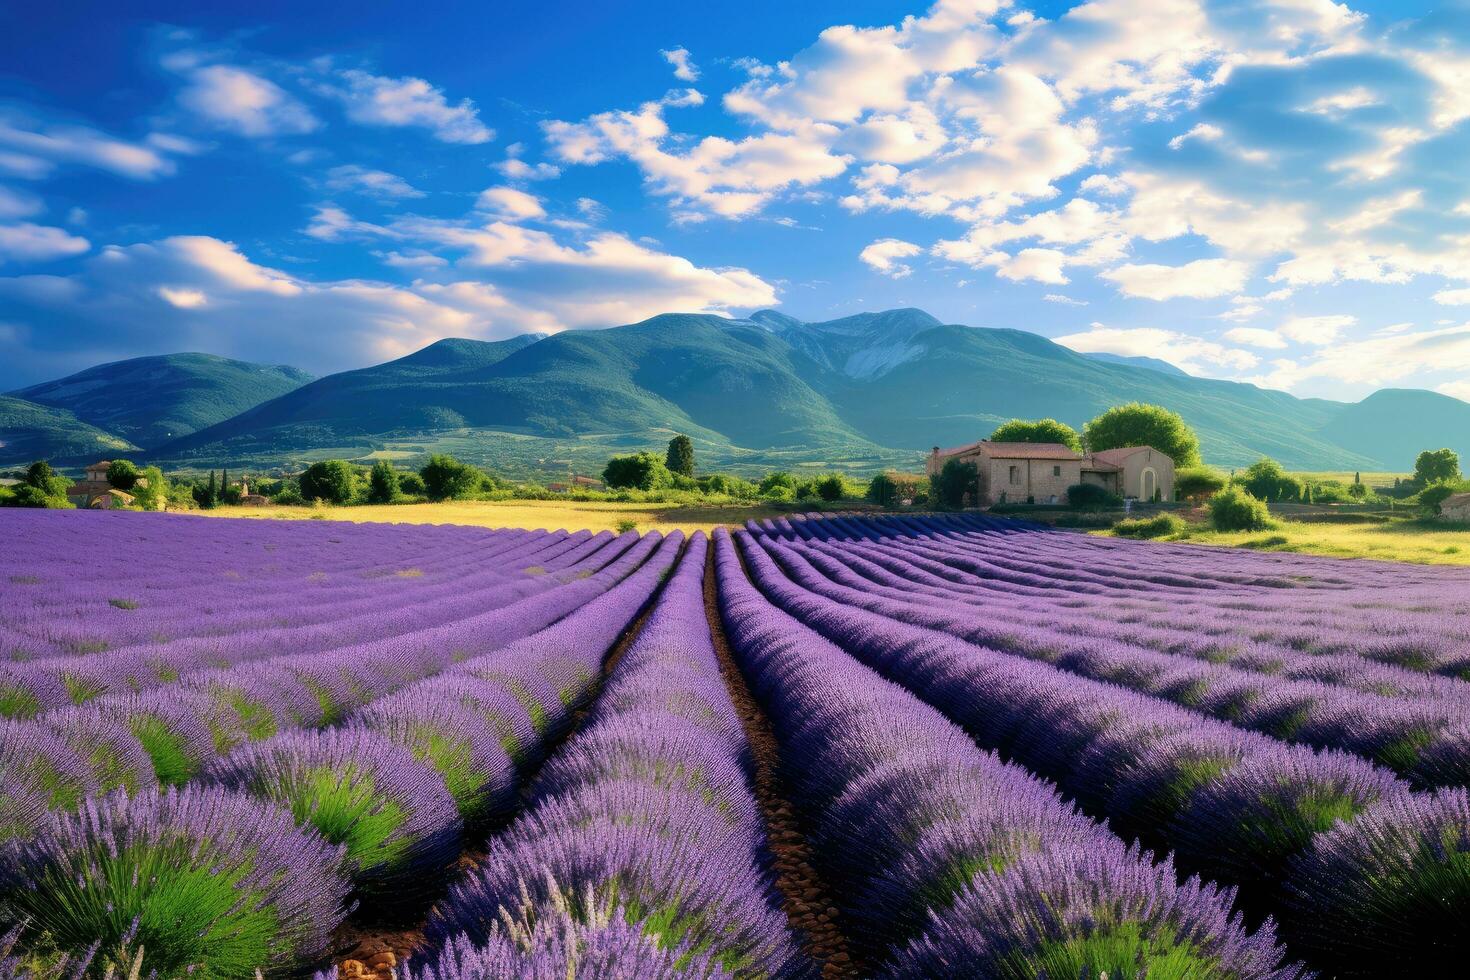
(1149, 484)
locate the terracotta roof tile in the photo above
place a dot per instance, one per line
(1015, 450)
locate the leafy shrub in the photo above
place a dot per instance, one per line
(382, 483)
(1090, 496)
(949, 486)
(412, 484)
(1436, 466)
(332, 480)
(446, 478)
(1431, 497)
(1137, 424)
(1160, 526)
(831, 487)
(1198, 481)
(1235, 509)
(1266, 480)
(641, 471)
(123, 474)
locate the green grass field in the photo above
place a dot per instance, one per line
(1420, 540)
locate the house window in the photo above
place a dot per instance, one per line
(1015, 474)
(1056, 471)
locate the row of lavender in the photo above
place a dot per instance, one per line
(386, 795)
(1368, 875)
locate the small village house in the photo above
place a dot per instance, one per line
(93, 492)
(1041, 472)
(577, 483)
(1456, 507)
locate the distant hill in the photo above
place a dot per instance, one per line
(149, 400)
(29, 432)
(1146, 362)
(876, 389)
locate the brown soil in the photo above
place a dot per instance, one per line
(808, 904)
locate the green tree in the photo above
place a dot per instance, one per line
(150, 492)
(331, 480)
(1431, 497)
(949, 486)
(638, 471)
(412, 484)
(447, 478)
(1266, 480)
(1137, 424)
(777, 479)
(883, 490)
(382, 483)
(1038, 430)
(1197, 482)
(123, 474)
(40, 476)
(1436, 466)
(831, 487)
(1234, 509)
(26, 495)
(680, 457)
(1090, 496)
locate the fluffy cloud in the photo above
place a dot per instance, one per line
(1199, 279)
(232, 98)
(192, 292)
(1316, 330)
(18, 204)
(32, 150)
(377, 100)
(372, 183)
(1381, 359)
(1256, 337)
(26, 242)
(1453, 297)
(509, 203)
(684, 68)
(884, 255)
(1193, 354)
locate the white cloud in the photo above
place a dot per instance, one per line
(516, 169)
(235, 99)
(373, 183)
(1256, 337)
(1316, 330)
(377, 100)
(412, 259)
(1455, 389)
(1453, 297)
(168, 294)
(884, 255)
(26, 242)
(1381, 359)
(18, 204)
(1193, 354)
(1037, 264)
(511, 204)
(684, 68)
(1200, 279)
(32, 150)
(1061, 300)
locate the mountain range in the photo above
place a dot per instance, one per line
(858, 393)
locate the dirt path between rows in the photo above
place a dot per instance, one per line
(373, 952)
(808, 904)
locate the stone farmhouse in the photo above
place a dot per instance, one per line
(1456, 507)
(95, 493)
(1041, 472)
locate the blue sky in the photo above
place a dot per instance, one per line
(1263, 190)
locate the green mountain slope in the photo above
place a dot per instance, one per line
(29, 432)
(858, 393)
(149, 400)
(1394, 424)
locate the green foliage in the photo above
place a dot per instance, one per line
(151, 492)
(382, 483)
(1158, 526)
(331, 480)
(1235, 509)
(625, 525)
(641, 471)
(883, 490)
(1137, 424)
(1266, 480)
(1436, 466)
(730, 486)
(123, 474)
(1430, 498)
(1038, 430)
(778, 480)
(949, 486)
(446, 478)
(1198, 481)
(831, 487)
(1090, 496)
(680, 457)
(42, 488)
(412, 485)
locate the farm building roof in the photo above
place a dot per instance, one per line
(1015, 450)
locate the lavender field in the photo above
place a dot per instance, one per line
(841, 747)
